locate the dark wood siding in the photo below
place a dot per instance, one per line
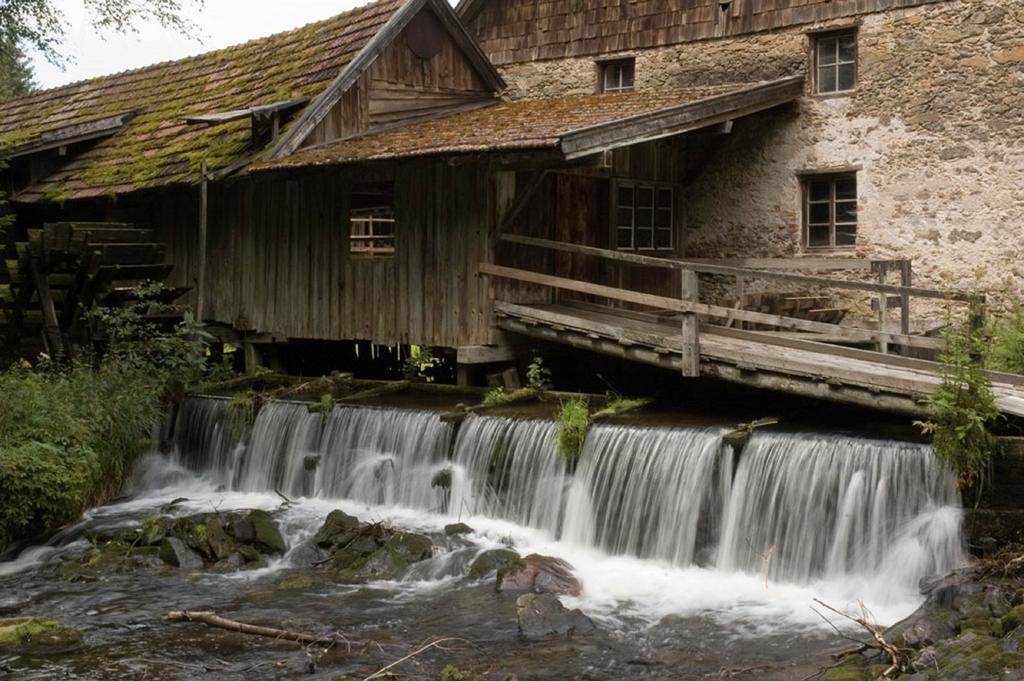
(279, 260)
(513, 31)
(399, 88)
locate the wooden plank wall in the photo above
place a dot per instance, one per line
(279, 261)
(513, 31)
(400, 88)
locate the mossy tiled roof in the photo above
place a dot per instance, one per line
(517, 125)
(157, 147)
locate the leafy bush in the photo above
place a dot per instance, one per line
(573, 423)
(963, 411)
(421, 363)
(1006, 351)
(69, 435)
(538, 376)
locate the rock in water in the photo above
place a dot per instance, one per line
(491, 561)
(539, 574)
(543, 615)
(412, 547)
(267, 532)
(175, 552)
(337, 530)
(37, 635)
(457, 528)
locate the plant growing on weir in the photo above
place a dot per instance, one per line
(573, 423)
(963, 411)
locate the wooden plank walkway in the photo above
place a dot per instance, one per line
(784, 363)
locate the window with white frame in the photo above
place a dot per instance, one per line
(830, 210)
(643, 216)
(372, 219)
(835, 62)
(618, 75)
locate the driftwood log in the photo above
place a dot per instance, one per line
(211, 619)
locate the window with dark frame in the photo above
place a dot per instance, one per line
(830, 210)
(643, 216)
(372, 219)
(835, 62)
(618, 75)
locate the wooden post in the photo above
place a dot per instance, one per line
(204, 194)
(51, 327)
(883, 304)
(741, 292)
(691, 343)
(906, 281)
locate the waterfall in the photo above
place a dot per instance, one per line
(650, 492)
(509, 468)
(801, 507)
(825, 506)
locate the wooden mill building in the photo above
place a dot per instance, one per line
(772, 192)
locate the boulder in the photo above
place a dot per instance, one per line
(296, 582)
(456, 529)
(385, 564)
(268, 535)
(411, 547)
(174, 551)
(489, 562)
(338, 529)
(538, 574)
(543, 616)
(37, 636)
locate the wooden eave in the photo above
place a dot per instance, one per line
(72, 134)
(315, 113)
(468, 9)
(680, 119)
(256, 112)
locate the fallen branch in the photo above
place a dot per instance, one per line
(898, 660)
(211, 619)
(439, 644)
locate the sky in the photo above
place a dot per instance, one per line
(221, 23)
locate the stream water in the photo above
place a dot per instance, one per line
(693, 560)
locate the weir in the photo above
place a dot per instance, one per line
(797, 507)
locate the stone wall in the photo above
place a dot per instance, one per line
(936, 128)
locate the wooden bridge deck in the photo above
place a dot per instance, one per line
(756, 358)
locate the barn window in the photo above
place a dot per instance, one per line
(372, 219)
(835, 62)
(830, 210)
(618, 75)
(643, 216)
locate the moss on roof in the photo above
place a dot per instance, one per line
(157, 147)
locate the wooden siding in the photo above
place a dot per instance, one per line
(400, 88)
(279, 260)
(514, 31)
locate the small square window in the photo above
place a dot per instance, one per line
(835, 62)
(372, 219)
(643, 214)
(830, 210)
(618, 75)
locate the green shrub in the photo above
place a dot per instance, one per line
(618, 405)
(573, 423)
(1006, 351)
(538, 376)
(499, 396)
(962, 411)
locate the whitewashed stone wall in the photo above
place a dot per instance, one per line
(936, 127)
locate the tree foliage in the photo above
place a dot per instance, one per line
(963, 411)
(42, 25)
(16, 75)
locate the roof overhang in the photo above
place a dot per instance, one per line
(71, 134)
(680, 119)
(257, 113)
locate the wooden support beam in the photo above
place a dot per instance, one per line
(204, 195)
(51, 327)
(725, 313)
(485, 354)
(523, 199)
(691, 343)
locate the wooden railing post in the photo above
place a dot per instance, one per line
(906, 281)
(690, 365)
(882, 267)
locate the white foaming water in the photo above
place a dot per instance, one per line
(835, 517)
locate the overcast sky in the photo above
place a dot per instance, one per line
(221, 23)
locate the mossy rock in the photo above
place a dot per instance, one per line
(100, 560)
(296, 582)
(385, 564)
(37, 636)
(338, 529)
(973, 654)
(411, 547)
(1013, 619)
(154, 529)
(984, 626)
(456, 529)
(267, 533)
(489, 562)
(854, 669)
